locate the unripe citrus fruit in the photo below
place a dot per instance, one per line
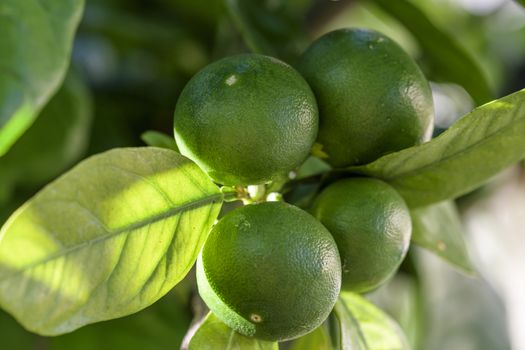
(373, 99)
(270, 270)
(372, 227)
(246, 119)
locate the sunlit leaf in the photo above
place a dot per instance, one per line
(105, 240)
(213, 334)
(35, 44)
(361, 325)
(438, 228)
(470, 152)
(448, 56)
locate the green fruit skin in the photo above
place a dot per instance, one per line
(246, 119)
(372, 227)
(373, 99)
(270, 270)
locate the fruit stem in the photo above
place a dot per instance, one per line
(230, 194)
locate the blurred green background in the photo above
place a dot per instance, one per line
(132, 58)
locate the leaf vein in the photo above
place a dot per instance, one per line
(155, 186)
(127, 229)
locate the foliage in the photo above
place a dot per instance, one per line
(213, 334)
(111, 238)
(136, 221)
(28, 83)
(474, 149)
(63, 127)
(358, 324)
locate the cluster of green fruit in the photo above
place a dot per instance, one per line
(271, 270)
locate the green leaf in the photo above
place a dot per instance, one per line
(312, 166)
(361, 325)
(522, 2)
(213, 334)
(316, 340)
(35, 41)
(438, 228)
(403, 298)
(105, 240)
(53, 143)
(345, 331)
(158, 139)
(449, 57)
(472, 150)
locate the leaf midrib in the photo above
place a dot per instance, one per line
(126, 229)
